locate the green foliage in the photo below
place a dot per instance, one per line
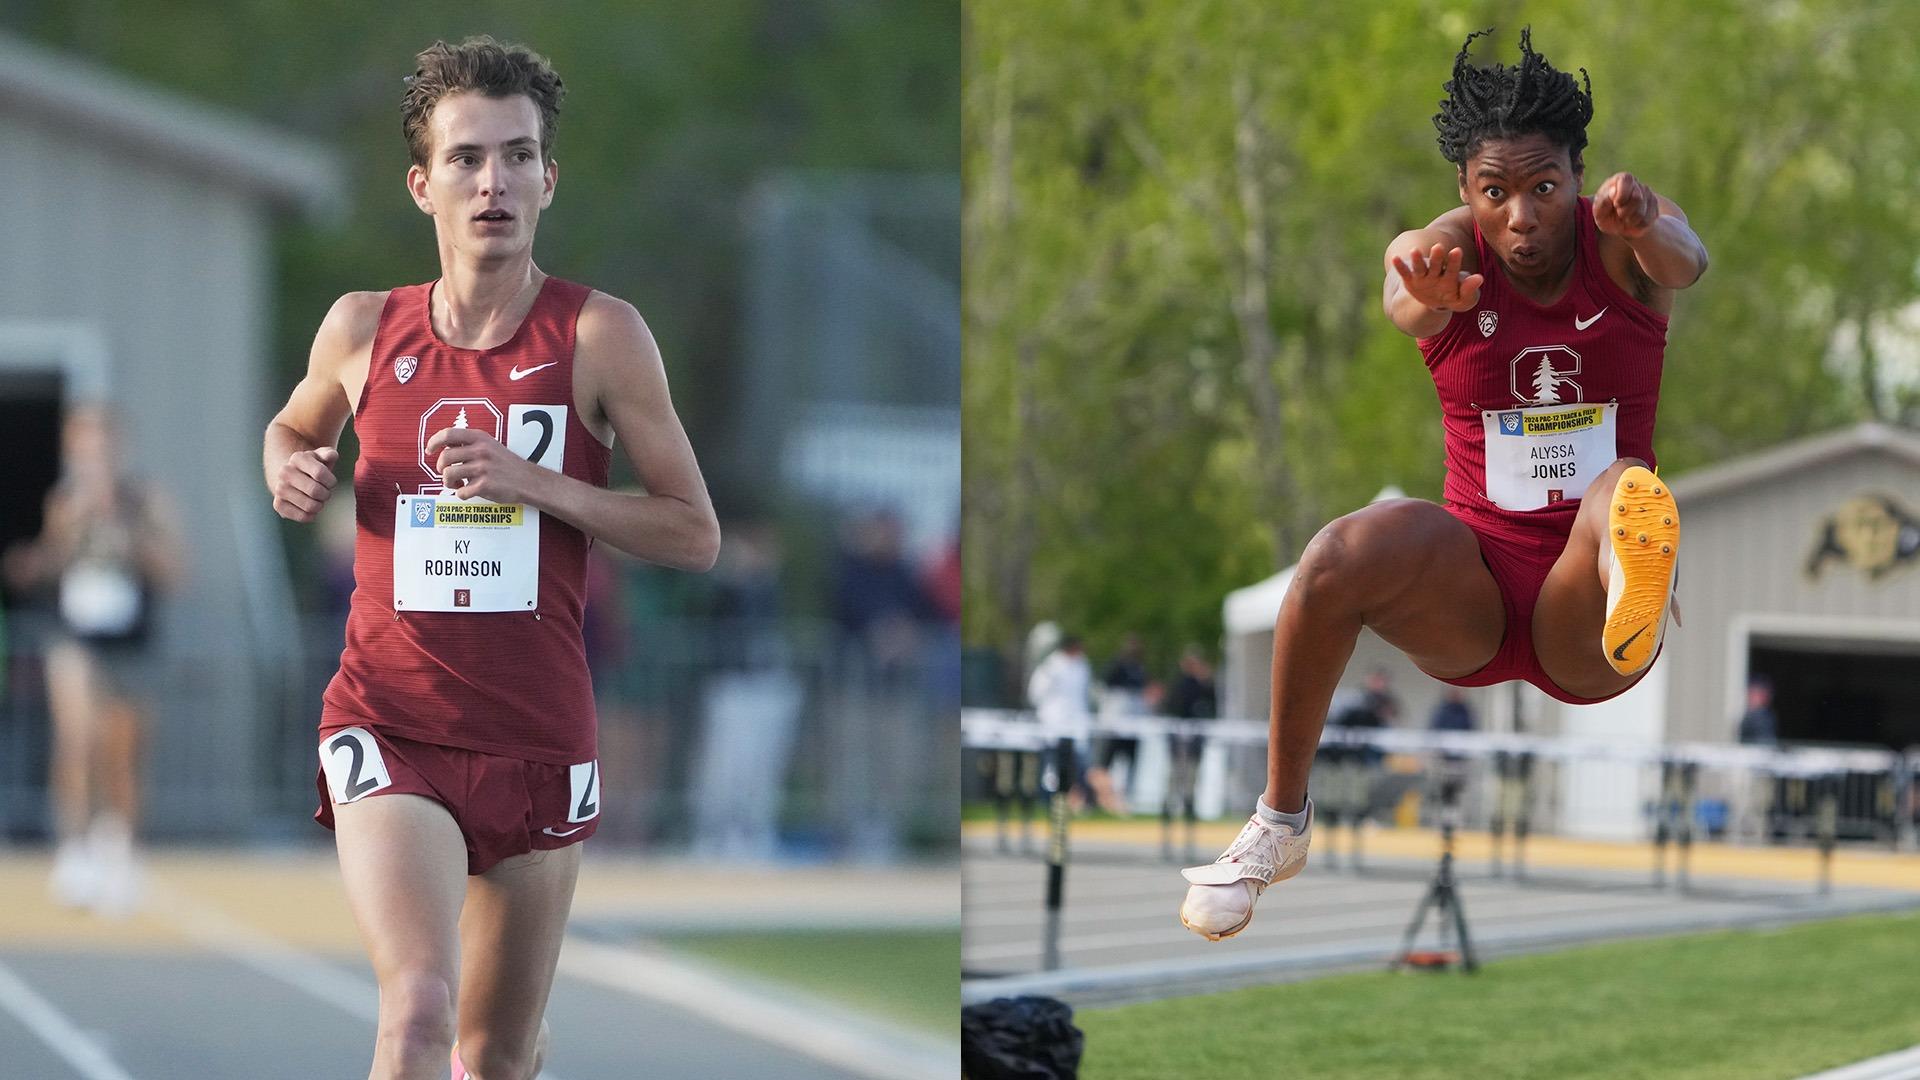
(1176, 366)
(1727, 1005)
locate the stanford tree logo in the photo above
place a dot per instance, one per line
(1546, 371)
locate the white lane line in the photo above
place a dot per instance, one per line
(856, 1043)
(222, 933)
(61, 1035)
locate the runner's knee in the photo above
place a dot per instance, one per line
(416, 1010)
(1360, 552)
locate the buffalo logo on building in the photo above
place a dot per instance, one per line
(1871, 533)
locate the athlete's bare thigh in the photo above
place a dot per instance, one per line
(510, 939)
(1572, 607)
(1429, 594)
(404, 865)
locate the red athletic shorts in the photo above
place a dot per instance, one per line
(504, 806)
(1519, 559)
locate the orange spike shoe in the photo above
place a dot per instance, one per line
(1643, 527)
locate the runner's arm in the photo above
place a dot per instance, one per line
(1666, 251)
(1424, 287)
(672, 522)
(301, 441)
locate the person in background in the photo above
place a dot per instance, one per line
(1124, 686)
(1453, 713)
(1758, 725)
(109, 552)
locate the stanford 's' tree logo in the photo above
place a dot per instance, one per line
(477, 413)
(1546, 371)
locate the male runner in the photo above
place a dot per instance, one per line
(457, 740)
(1542, 316)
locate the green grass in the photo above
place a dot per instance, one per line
(911, 976)
(1739, 1004)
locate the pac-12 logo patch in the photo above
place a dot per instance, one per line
(1509, 423)
(405, 366)
(1489, 322)
(423, 513)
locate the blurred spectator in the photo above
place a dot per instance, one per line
(1453, 713)
(1193, 696)
(1060, 689)
(1758, 725)
(1124, 685)
(877, 597)
(109, 551)
(1375, 707)
(1126, 676)
(747, 581)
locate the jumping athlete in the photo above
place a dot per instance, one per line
(457, 741)
(1542, 316)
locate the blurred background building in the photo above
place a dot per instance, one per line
(774, 186)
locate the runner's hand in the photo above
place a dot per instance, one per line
(304, 483)
(1434, 278)
(1625, 207)
(475, 465)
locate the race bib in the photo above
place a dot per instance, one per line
(1546, 454)
(452, 554)
(459, 555)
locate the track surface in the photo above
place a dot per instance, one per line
(246, 966)
(1120, 938)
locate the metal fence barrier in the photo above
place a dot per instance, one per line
(1670, 796)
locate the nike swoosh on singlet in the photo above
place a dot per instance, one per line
(1582, 324)
(1619, 654)
(516, 374)
(570, 832)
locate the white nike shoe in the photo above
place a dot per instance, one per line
(1220, 899)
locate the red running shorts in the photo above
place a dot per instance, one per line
(504, 806)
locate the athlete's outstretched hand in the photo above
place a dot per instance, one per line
(1434, 278)
(475, 465)
(1625, 207)
(304, 483)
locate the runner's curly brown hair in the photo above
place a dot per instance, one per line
(481, 65)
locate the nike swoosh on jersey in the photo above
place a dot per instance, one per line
(1619, 654)
(516, 374)
(551, 832)
(1581, 324)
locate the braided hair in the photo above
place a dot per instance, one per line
(1502, 102)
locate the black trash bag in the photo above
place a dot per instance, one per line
(1023, 1038)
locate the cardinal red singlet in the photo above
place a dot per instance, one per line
(1514, 373)
(1536, 402)
(465, 623)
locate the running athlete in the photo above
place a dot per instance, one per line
(1542, 316)
(457, 740)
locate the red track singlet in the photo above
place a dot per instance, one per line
(508, 682)
(1596, 345)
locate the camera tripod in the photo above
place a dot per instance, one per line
(1442, 897)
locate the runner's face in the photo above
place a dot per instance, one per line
(1524, 193)
(485, 184)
